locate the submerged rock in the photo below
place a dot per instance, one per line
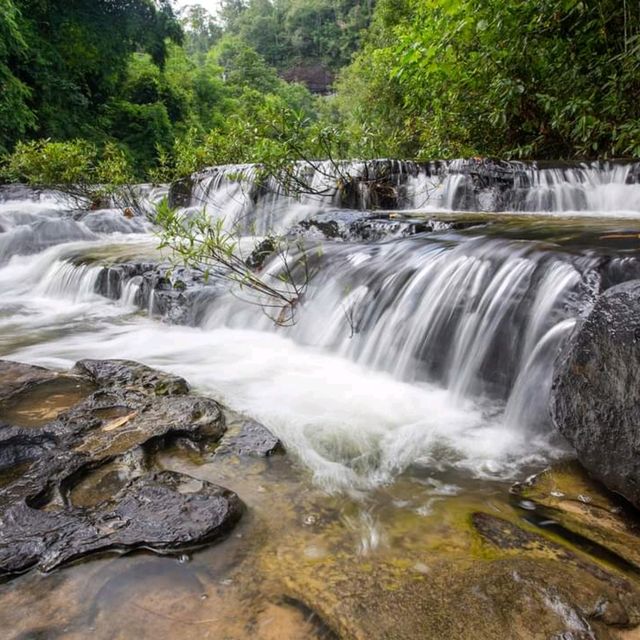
(596, 392)
(567, 499)
(514, 584)
(133, 409)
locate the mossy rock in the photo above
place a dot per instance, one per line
(567, 495)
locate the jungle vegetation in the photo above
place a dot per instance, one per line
(116, 90)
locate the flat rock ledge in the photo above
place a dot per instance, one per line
(130, 412)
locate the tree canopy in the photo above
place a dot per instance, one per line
(407, 78)
(547, 79)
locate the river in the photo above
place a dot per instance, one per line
(412, 387)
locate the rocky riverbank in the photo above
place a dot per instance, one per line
(121, 414)
(80, 478)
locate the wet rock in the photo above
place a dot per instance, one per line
(39, 404)
(160, 512)
(595, 401)
(180, 193)
(253, 439)
(355, 226)
(178, 294)
(474, 568)
(566, 497)
(261, 253)
(134, 411)
(16, 377)
(19, 446)
(125, 424)
(619, 269)
(109, 374)
(375, 184)
(525, 596)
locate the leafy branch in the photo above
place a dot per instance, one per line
(206, 245)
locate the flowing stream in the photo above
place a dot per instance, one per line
(419, 366)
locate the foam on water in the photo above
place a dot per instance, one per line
(240, 195)
(353, 427)
(434, 351)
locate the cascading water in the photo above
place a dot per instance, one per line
(432, 351)
(258, 205)
(587, 189)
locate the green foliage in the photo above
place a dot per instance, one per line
(47, 163)
(434, 78)
(67, 59)
(16, 118)
(142, 128)
(443, 78)
(75, 166)
(208, 245)
(290, 33)
(201, 31)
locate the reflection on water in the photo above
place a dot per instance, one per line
(37, 406)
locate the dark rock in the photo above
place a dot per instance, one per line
(162, 512)
(254, 439)
(19, 445)
(376, 184)
(16, 377)
(180, 193)
(110, 374)
(618, 269)
(111, 280)
(596, 392)
(356, 226)
(124, 422)
(259, 255)
(134, 409)
(178, 294)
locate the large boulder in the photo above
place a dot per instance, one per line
(596, 391)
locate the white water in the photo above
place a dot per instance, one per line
(434, 351)
(230, 192)
(585, 190)
(591, 190)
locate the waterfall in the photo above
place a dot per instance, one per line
(67, 281)
(130, 292)
(465, 316)
(238, 195)
(588, 187)
(257, 204)
(435, 348)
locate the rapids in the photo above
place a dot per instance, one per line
(433, 351)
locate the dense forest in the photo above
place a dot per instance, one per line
(134, 88)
